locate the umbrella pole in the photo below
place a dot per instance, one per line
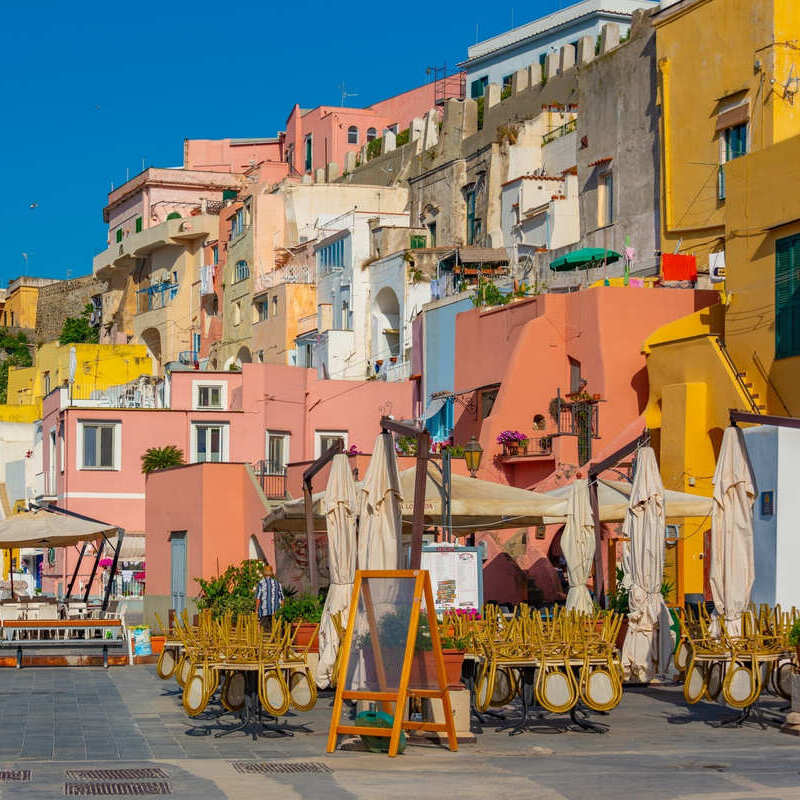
(311, 545)
(11, 572)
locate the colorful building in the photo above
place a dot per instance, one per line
(21, 298)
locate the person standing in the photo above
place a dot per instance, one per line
(269, 597)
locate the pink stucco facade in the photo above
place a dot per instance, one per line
(288, 401)
(231, 155)
(526, 352)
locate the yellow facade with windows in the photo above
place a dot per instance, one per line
(20, 307)
(730, 167)
(98, 367)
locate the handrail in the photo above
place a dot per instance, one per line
(737, 376)
(760, 367)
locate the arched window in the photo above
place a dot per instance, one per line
(242, 272)
(173, 215)
(352, 135)
(371, 134)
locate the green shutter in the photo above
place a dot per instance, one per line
(417, 242)
(119, 234)
(229, 194)
(138, 224)
(787, 297)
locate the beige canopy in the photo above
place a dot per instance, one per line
(614, 498)
(475, 504)
(49, 529)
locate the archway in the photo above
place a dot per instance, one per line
(152, 340)
(244, 356)
(386, 325)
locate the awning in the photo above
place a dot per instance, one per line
(584, 258)
(49, 529)
(132, 547)
(474, 505)
(482, 255)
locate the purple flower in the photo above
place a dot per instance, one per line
(511, 437)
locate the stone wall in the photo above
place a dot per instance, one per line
(61, 300)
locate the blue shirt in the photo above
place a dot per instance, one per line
(269, 597)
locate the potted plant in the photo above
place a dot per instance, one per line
(453, 649)
(511, 441)
(303, 611)
(794, 636)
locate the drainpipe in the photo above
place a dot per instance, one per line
(664, 68)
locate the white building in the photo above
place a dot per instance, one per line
(496, 59)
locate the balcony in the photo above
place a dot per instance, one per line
(561, 130)
(301, 273)
(144, 392)
(394, 372)
(271, 480)
(154, 297)
(537, 448)
(171, 232)
(578, 415)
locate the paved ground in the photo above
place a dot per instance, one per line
(53, 720)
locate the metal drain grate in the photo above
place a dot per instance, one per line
(130, 774)
(280, 767)
(130, 789)
(9, 775)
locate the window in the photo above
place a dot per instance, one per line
(195, 345)
(237, 312)
(98, 445)
(324, 440)
(471, 215)
(215, 254)
(138, 224)
(308, 153)
(46, 384)
(605, 200)
(119, 235)
(277, 451)
(210, 443)
(787, 297)
(262, 309)
(417, 241)
(506, 91)
(352, 135)
(209, 397)
(478, 87)
(371, 134)
(237, 223)
(331, 256)
(576, 381)
(735, 141)
(241, 272)
(432, 232)
(275, 305)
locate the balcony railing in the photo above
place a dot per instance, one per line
(303, 273)
(561, 130)
(271, 479)
(399, 371)
(541, 445)
(154, 297)
(578, 415)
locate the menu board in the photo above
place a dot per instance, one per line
(456, 576)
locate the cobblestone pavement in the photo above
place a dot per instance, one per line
(55, 720)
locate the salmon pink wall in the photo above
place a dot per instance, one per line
(228, 155)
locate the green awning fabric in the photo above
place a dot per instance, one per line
(584, 258)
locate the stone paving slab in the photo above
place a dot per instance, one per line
(60, 718)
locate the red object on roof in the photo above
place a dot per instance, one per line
(675, 267)
(601, 161)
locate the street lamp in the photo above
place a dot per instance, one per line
(472, 455)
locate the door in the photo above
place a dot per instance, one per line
(177, 554)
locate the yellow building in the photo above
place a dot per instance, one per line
(729, 70)
(22, 297)
(98, 366)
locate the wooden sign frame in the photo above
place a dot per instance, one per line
(386, 696)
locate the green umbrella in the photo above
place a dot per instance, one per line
(584, 258)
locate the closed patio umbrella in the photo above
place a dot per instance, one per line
(577, 544)
(380, 521)
(732, 563)
(646, 649)
(340, 504)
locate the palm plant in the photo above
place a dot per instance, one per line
(155, 458)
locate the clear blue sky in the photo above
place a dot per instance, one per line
(91, 89)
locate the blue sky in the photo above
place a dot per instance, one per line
(90, 90)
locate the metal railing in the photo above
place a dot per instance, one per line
(271, 480)
(738, 376)
(399, 371)
(155, 297)
(561, 130)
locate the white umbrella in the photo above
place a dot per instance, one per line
(380, 521)
(643, 654)
(577, 544)
(340, 505)
(732, 567)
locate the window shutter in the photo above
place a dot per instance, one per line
(787, 297)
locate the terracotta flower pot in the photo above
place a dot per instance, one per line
(423, 669)
(306, 632)
(453, 661)
(157, 643)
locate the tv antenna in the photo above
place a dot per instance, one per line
(346, 94)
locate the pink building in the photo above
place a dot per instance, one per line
(512, 362)
(318, 136)
(266, 414)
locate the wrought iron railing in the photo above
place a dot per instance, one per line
(154, 297)
(271, 478)
(561, 130)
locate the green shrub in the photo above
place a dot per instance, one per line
(305, 607)
(155, 458)
(234, 591)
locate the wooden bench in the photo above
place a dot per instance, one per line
(10, 631)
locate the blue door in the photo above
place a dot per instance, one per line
(178, 569)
